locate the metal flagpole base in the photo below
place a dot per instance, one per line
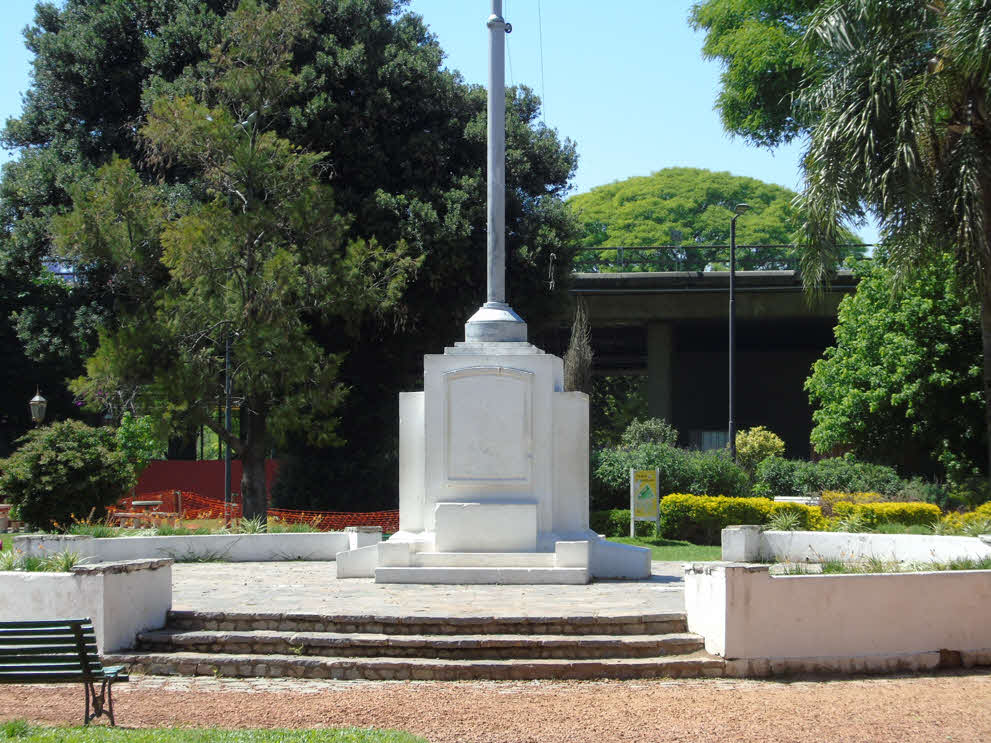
(495, 322)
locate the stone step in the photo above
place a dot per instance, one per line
(630, 624)
(482, 559)
(503, 576)
(477, 647)
(691, 665)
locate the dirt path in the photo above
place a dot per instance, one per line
(939, 707)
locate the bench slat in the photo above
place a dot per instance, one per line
(41, 677)
(43, 622)
(34, 649)
(54, 664)
(6, 637)
(39, 660)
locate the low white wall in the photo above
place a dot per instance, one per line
(122, 598)
(839, 622)
(228, 547)
(750, 544)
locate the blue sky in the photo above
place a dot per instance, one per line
(625, 80)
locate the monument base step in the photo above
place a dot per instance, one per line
(482, 559)
(691, 665)
(477, 575)
(446, 647)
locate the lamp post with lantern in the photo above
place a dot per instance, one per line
(38, 405)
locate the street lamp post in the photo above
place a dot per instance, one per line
(38, 404)
(227, 425)
(740, 209)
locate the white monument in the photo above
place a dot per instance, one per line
(493, 454)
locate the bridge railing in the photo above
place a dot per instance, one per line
(695, 258)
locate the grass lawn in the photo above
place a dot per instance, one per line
(672, 550)
(18, 730)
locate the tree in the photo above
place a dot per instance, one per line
(904, 133)
(249, 270)
(578, 357)
(902, 385)
(765, 65)
(404, 144)
(895, 98)
(63, 472)
(689, 207)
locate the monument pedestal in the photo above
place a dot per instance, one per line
(493, 486)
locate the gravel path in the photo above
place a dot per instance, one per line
(936, 707)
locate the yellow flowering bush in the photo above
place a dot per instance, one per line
(700, 518)
(831, 497)
(872, 514)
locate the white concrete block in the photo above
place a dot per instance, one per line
(816, 546)
(486, 527)
(743, 612)
(412, 483)
(120, 604)
(395, 554)
(572, 555)
(614, 560)
(571, 462)
(358, 563)
(362, 536)
(228, 547)
(741, 543)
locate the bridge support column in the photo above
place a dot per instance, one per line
(660, 355)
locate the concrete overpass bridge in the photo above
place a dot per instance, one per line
(672, 328)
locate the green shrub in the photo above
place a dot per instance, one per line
(616, 523)
(680, 470)
(776, 477)
(713, 473)
(849, 475)
(700, 519)
(649, 431)
(793, 477)
(65, 470)
(755, 445)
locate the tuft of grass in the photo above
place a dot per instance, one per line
(852, 524)
(834, 567)
(673, 550)
(57, 562)
(61, 562)
(256, 525)
(27, 733)
(784, 521)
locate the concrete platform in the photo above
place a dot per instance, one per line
(313, 588)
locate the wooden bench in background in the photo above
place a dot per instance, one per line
(59, 651)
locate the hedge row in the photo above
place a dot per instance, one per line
(872, 514)
(700, 519)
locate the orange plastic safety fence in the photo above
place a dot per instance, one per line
(195, 506)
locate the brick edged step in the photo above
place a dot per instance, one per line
(634, 624)
(470, 647)
(691, 665)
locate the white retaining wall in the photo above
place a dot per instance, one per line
(122, 599)
(854, 622)
(750, 544)
(227, 547)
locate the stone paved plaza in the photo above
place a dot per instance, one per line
(313, 587)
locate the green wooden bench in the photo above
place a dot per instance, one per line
(59, 651)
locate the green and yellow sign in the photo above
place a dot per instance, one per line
(643, 494)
